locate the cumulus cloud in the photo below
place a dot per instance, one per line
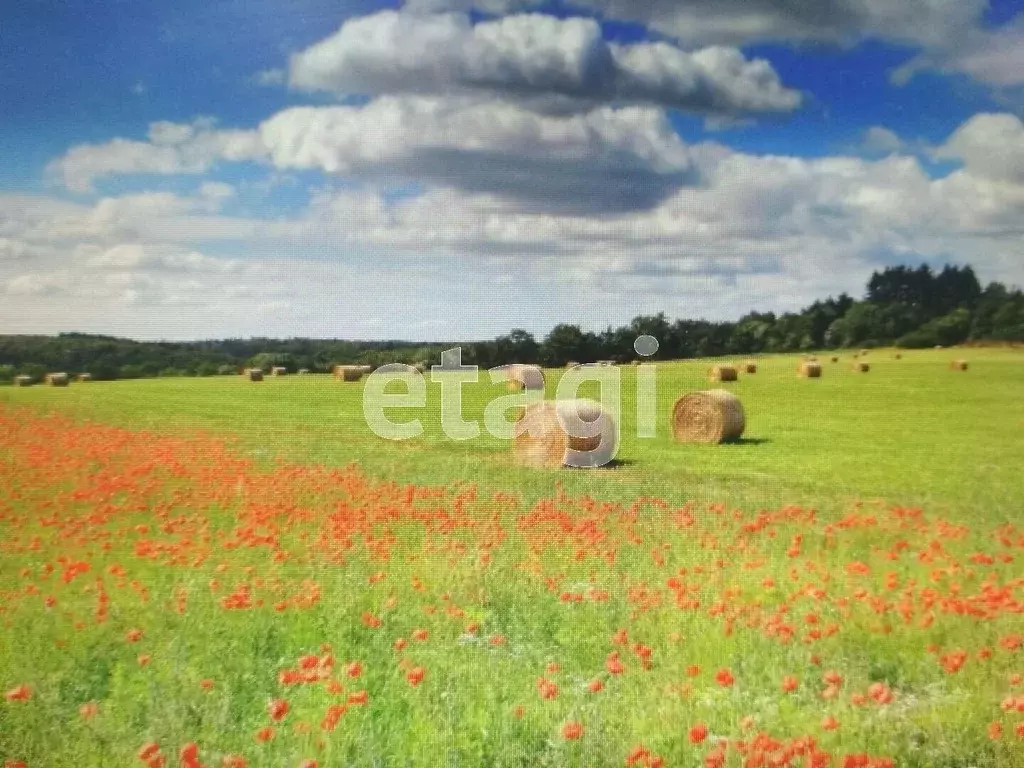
(737, 22)
(991, 146)
(880, 140)
(604, 159)
(994, 57)
(533, 58)
(172, 148)
(771, 232)
(158, 257)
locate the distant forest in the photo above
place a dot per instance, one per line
(903, 306)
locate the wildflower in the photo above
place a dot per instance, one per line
(698, 733)
(572, 730)
(613, 664)
(724, 678)
(19, 693)
(415, 676)
(277, 708)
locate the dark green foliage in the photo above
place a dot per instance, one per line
(911, 307)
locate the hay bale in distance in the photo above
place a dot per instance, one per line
(723, 373)
(23, 381)
(57, 379)
(365, 369)
(255, 374)
(83, 377)
(565, 433)
(750, 366)
(714, 416)
(835, 358)
(348, 372)
(528, 377)
(863, 352)
(278, 370)
(958, 365)
(861, 367)
(302, 372)
(898, 356)
(809, 369)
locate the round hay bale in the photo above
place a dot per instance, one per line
(348, 372)
(809, 370)
(714, 416)
(84, 377)
(898, 356)
(365, 369)
(750, 366)
(278, 370)
(835, 358)
(861, 367)
(958, 365)
(302, 372)
(565, 433)
(723, 373)
(528, 377)
(57, 379)
(23, 381)
(255, 374)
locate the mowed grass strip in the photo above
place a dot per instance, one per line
(912, 431)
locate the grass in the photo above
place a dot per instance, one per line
(910, 431)
(793, 553)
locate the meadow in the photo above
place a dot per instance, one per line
(220, 572)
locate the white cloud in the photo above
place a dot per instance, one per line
(767, 232)
(172, 149)
(990, 145)
(271, 77)
(879, 139)
(542, 60)
(169, 258)
(736, 22)
(604, 159)
(994, 57)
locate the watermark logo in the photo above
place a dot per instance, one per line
(398, 415)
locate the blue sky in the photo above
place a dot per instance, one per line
(798, 139)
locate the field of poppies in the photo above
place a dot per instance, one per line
(172, 596)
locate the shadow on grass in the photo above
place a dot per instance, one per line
(749, 441)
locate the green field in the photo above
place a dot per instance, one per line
(864, 539)
(910, 431)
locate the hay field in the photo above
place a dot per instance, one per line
(193, 571)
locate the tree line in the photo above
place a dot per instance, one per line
(903, 306)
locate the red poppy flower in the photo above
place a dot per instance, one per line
(572, 730)
(415, 676)
(277, 708)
